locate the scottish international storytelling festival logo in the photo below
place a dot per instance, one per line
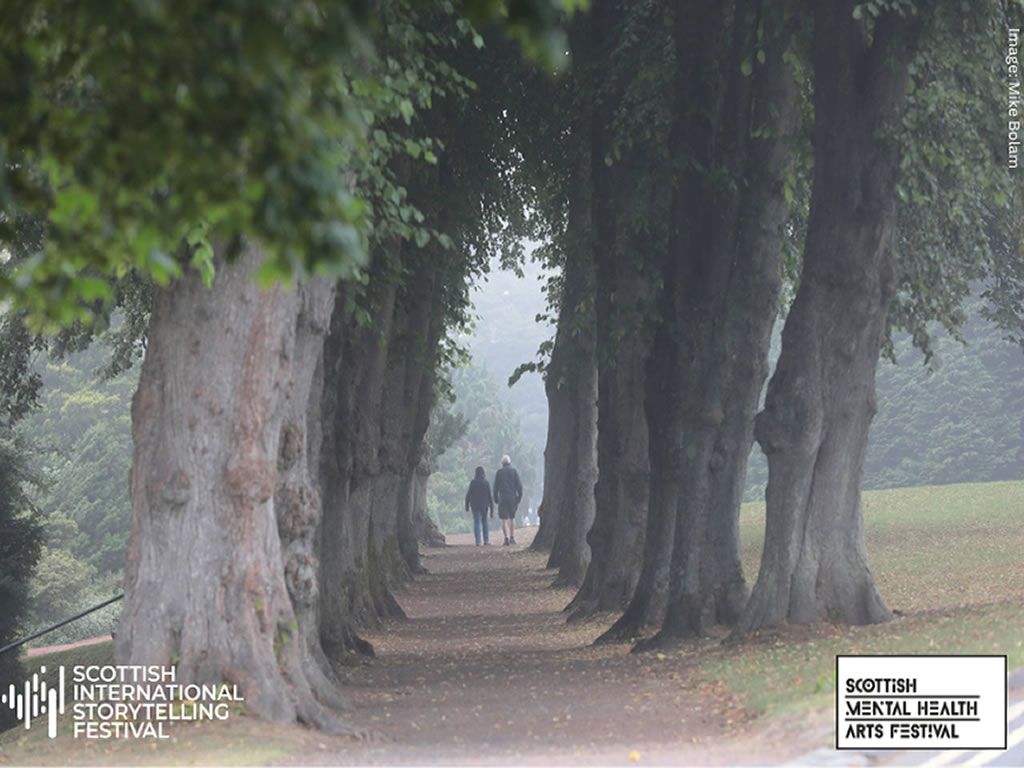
(117, 701)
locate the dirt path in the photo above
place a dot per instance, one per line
(486, 670)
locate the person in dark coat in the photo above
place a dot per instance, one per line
(478, 498)
(508, 492)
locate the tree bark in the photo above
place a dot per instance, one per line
(297, 497)
(205, 587)
(821, 399)
(426, 530)
(645, 603)
(571, 376)
(355, 361)
(725, 329)
(556, 453)
(570, 552)
(572, 354)
(722, 277)
(424, 314)
(622, 301)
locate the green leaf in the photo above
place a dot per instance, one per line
(92, 288)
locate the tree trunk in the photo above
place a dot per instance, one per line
(728, 307)
(297, 497)
(570, 552)
(425, 322)
(722, 278)
(646, 601)
(355, 360)
(616, 536)
(556, 454)
(821, 399)
(427, 532)
(205, 587)
(572, 364)
(623, 292)
(571, 378)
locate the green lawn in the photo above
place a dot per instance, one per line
(950, 558)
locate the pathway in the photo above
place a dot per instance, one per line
(486, 670)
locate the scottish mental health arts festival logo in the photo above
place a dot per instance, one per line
(118, 701)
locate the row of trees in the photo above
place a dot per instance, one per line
(287, 206)
(814, 157)
(367, 164)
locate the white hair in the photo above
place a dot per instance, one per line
(505, 460)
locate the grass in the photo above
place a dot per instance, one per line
(949, 558)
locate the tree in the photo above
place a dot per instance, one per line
(821, 398)
(731, 212)
(228, 615)
(570, 376)
(21, 539)
(261, 152)
(629, 207)
(228, 97)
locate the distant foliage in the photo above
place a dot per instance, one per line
(489, 429)
(21, 538)
(964, 422)
(82, 432)
(506, 334)
(959, 420)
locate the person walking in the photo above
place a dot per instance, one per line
(478, 497)
(508, 492)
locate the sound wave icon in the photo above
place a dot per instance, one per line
(37, 699)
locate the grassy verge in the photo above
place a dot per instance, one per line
(947, 557)
(787, 672)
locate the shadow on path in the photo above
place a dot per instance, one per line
(486, 670)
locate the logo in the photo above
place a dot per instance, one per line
(118, 701)
(37, 699)
(921, 702)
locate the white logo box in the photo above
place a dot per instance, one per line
(921, 702)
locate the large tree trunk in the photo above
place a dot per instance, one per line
(570, 552)
(425, 315)
(695, 39)
(728, 306)
(622, 300)
(620, 494)
(557, 451)
(647, 599)
(571, 377)
(572, 362)
(355, 361)
(205, 587)
(297, 497)
(722, 277)
(821, 399)
(426, 530)
(578, 515)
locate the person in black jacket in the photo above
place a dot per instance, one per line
(478, 497)
(508, 492)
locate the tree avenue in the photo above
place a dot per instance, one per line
(761, 188)
(294, 281)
